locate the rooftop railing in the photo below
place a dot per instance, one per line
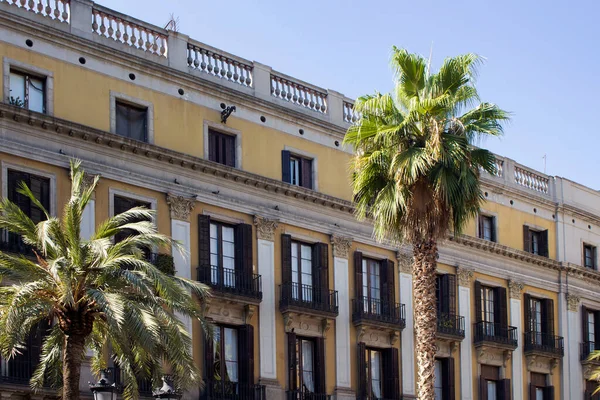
(58, 10)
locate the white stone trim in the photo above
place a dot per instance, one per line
(315, 164)
(24, 67)
(228, 131)
(223, 218)
(114, 96)
(302, 238)
(342, 324)
(466, 346)
(486, 282)
(267, 310)
(536, 294)
(517, 355)
(407, 336)
(7, 165)
(374, 255)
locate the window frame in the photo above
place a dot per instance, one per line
(368, 352)
(485, 291)
(300, 161)
(481, 227)
(116, 97)
(21, 67)
(300, 362)
(295, 152)
(137, 108)
(224, 129)
(223, 362)
(221, 279)
(27, 89)
(594, 256)
(6, 166)
(300, 294)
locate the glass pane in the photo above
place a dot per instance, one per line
(294, 259)
(17, 87)
(376, 382)
(213, 231)
(306, 267)
(228, 234)
(539, 394)
(306, 252)
(491, 386)
(231, 354)
(217, 351)
(228, 249)
(307, 366)
(437, 383)
(36, 95)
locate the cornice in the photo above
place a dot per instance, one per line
(579, 213)
(580, 272)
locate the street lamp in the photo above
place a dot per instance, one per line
(104, 389)
(166, 391)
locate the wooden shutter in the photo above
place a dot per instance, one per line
(452, 294)
(532, 388)
(204, 248)
(448, 376)
(209, 358)
(243, 256)
(212, 146)
(585, 333)
(319, 368)
(549, 393)
(230, 150)
(292, 362)
(246, 354)
(447, 283)
(286, 173)
(527, 309)
(526, 239)
(493, 227)
(544, 243)
(40, 187)
(391, 373)
(502, 309)
(15, 179)
(286, 266)
(362, 371)
(597, 327)
(548, 316)
(306, 173)
(504, 392)
(320, 264)
(480, 226)
(358, 276)
(387, 283)
(478, 301)
(483, 395)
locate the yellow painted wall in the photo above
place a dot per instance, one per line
(179, 124)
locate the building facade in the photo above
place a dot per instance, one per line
(305, 303)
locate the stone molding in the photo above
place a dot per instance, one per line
(180, 206)
(572, 302)
(405, 262)
(515, 289)
(341, 246)
(265, 228)
(464, 276)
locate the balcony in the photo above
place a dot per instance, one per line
(378, 312)
(144, 384)
(587, 348)
(308, 299)
(304, 395)
(12, 243)
(17, 370)
(232, 282)
(495, 335)
(219, 390)
(540, 343)
(450, 326)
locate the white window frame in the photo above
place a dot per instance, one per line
(121, 97)
(7, 165)
(9, 63)
(301, 153)
(228, 131)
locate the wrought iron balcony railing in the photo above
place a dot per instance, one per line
(544, 342)
(13, 243)
(451, 325)
(231, 281)
(494, 332)
(145, 387)
(367, 308)
(17, 370)
(221, 390)
(304, 395)
(308, 297)
(587, 348)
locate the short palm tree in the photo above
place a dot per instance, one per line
(416, 172)
(95, 294)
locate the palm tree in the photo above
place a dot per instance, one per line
(96, 294)
(416, 172)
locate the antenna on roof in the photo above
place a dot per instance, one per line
(173, 24)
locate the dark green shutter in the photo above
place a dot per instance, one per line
(391, 374)
(286, 173)
(204, 248)
(292, 362)
(306, 173)
(549, 393)
(502, 310)
(527, 312)
(243, 256)
(450, 378)
(387, 283)
(320, 367)
(320, 264)
(548, 320)
(504, 392)
(358, 277)
(526, 239)
(478, 304)
(544, 243)
(209, 361)
(286, 266)
(480, 226)
(483, 395)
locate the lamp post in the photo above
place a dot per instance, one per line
(167, 391)
(104, 389)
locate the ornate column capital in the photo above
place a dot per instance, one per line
(515, 288)
(464, 276)
(341, 246)
(405, 262)
(265, 228)
(180, 206)
(572, 302)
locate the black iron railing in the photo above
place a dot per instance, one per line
(18, 370)
(231, 281)
(145, 387)
(221, 390)
(495, 333)
(305, 395)
(13, 243)
(450, 324)
(587, 348)
(309, 297)
(544, 342)
(367, 308)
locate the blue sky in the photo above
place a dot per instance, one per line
(541, 57)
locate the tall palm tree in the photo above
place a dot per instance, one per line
(96, 294)
(416, 172)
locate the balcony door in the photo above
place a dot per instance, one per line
(371, 274)
(222, 255)
(539, 321)
(302, 272)
(379, 376)
(488, 306)
(374, 285)
(491, 311)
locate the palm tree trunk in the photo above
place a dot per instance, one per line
(72, 357)
(424, 268)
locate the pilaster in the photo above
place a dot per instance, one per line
(515, 289)
(464, 308)
(88, 219)
(573, 337)
(408, 333)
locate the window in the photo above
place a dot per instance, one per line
(302, 278)
(590, 319)
(438, 386)
(491, 387)
(132, 121)
(221, 148)
(305, 354)
(536, 320)
(371, 271)
(374, 374)
(589, 256)
(539, 321)
(378, 373)
(488, 295)
(222, 254)
(535, 241)
(487, 228)
(122, 204)
(39, 186)
(27, 91)
(539, 388)
(444, 379)
(297, 170)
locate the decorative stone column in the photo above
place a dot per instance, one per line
(464, 308)
(408, 333)
(265, 232)
(181, 207)
(573, 336)
(515, 289)
(343, 352)
(88, 219)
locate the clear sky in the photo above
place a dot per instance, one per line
(542, 62)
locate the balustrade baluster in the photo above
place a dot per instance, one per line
(40, 6)
(23, 2)
(56, 12)
(102, 26)
(95, 22)
(110, 26)
(65, 15)
(118, 31)
(140, 38)
(48, 8)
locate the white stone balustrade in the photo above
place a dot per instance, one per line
(350, 115)
(126, 30)
(297, 93)
(531, 180)
(217, 63)
(58, 10)
(499, 163)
